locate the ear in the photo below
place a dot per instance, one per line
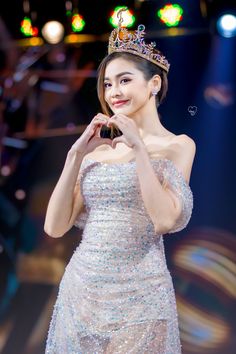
(156, 83)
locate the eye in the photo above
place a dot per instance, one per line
(125, 80)
(107, 84)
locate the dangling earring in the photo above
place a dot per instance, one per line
(154, 92)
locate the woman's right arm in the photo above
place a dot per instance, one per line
(66, 201)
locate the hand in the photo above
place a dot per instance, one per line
(131, 136)
(90, 139)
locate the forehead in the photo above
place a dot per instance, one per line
(118, 65)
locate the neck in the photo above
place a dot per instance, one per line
(148, 123)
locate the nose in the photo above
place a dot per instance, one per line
(115, 91)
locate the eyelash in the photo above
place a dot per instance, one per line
(106, 83)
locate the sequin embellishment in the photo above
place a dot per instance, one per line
(116, 295)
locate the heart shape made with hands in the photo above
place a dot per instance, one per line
(110, 132)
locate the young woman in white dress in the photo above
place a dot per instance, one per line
(116, 295)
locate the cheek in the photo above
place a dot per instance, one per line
(139, 95)
(106, 96)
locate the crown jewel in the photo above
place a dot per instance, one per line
(121, 40)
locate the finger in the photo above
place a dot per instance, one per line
(106, 141)
(98, 121)
(97, 130)
(120, 139)
(117, 123)
(121, 117)
(101, 117)
(95, 126)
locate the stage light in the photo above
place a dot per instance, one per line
(226, 25)
(20, 194)
(27, 29)
(31, 42)
(68, 6)
(53, 32)
(128, 17)
(170, 14)
(5, 171)
(77, 23)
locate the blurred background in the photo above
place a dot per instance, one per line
(49, 53)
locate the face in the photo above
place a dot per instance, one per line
(125, 89)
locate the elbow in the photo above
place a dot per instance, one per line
(54, 228)
(163, 227)
(53, 232)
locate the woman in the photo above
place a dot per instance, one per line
(116, 295)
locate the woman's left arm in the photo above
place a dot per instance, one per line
(162, 204)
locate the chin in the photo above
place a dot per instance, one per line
(123, 110)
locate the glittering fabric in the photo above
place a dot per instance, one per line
(116, 295)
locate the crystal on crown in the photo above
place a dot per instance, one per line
(122, 40)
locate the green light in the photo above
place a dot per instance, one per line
(77, 23)
(128, 18)
(27, 29)
(170, 14)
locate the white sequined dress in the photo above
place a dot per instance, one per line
(116, 295)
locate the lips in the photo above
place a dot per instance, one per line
(119, 103)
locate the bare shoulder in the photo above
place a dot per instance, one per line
(183, 141)
(182, 153)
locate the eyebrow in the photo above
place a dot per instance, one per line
(119, 75)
